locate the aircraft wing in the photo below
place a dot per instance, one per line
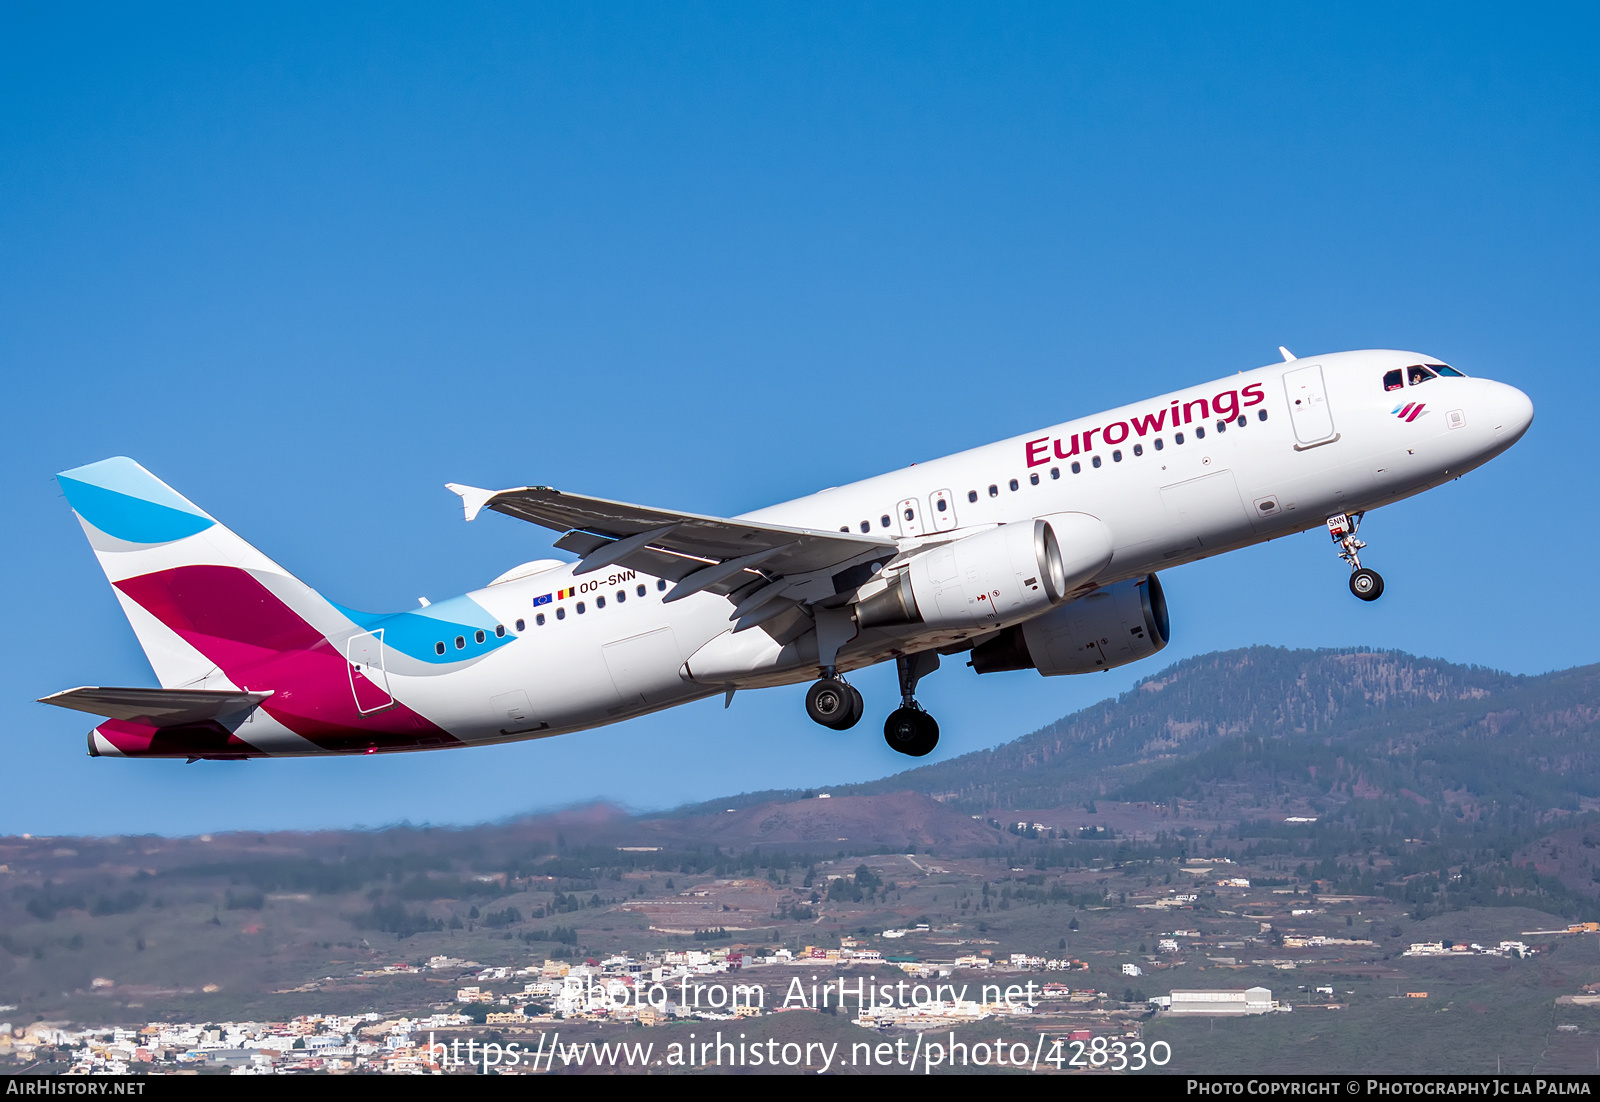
(698, 552)
(157, 707)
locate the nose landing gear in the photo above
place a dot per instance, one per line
(1365, 583)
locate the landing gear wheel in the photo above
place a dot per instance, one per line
(858, 708)
(911, 731)
(1366, 584)
(834, 704)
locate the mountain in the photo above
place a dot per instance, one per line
(1336, 726)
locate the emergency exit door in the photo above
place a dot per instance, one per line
(369, 681)
(1309, 411)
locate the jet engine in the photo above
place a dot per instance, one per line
(1003, 575)
(1113, 626)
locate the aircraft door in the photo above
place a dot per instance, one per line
(942, 507)
(369, 682)
(910, 518)
(1308, 405)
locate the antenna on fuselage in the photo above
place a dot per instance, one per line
(1288, 357)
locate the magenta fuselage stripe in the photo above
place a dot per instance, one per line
(261, 643)
(206, 740)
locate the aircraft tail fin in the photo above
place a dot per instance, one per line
(196, 594)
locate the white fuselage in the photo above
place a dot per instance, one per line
(1342, 449)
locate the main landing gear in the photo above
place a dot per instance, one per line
(910, 730)
(1364, 583)
(834, 703)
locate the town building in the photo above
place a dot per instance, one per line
(1249, 1000)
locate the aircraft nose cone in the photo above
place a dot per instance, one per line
(1509, 410)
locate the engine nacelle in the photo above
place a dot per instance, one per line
(1004, 575)
(1113, 626)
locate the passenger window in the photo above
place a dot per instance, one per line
(438, 648)
(1417, 374)
(522, 625)
(622, 595)
(461, 642)
(942, 505)
(1261, 415)
(884, 520)
(1222, 426)
(1199, 433)
(911, 514)
(972, 495)
(1077, 468)
(661, 583)
(1055, 472)
(640, 591)
(539, 619)
(1095, 461)
(1393, 380)
(581, 609)
(844, 528)
(478, 637)
(1158, 443)
(866, 526)
(1033, 479)
(1177, 438)
(1013, 484)
(599, 602)
(561, 613)
(1138, 449)
(1116, 456)
(994, 491)
(499, 631)
(1242, 420)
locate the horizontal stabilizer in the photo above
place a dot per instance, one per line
(157, 707)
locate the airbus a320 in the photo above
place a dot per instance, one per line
(1037, 552)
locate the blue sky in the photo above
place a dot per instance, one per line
(309, 264)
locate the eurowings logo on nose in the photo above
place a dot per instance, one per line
(1409, 412)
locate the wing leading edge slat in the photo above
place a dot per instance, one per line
(679, 545)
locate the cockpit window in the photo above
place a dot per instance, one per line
(1444, 369)
(1416, 374)
(1394, 380)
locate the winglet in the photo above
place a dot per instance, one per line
(1288, 357)
(472, 498)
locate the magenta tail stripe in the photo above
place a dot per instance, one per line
(261, 643)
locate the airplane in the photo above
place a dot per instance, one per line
(1037, 552)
